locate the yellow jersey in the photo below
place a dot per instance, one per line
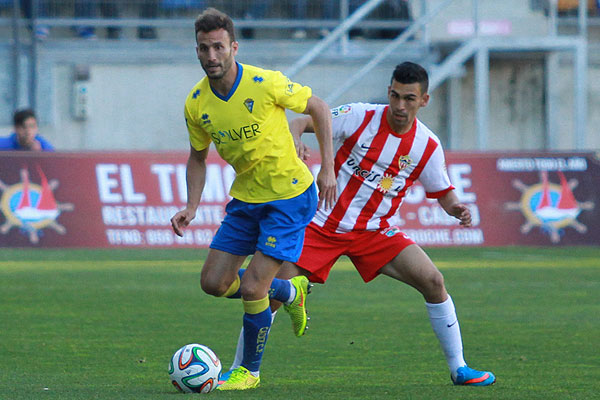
(250, 131)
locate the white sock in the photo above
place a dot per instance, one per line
(445, 325)
(239, 350)
(292, 294)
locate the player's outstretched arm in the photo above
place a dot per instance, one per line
(321, 122)
(455, 208)
(195, 178)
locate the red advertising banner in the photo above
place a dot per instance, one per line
(127, 200)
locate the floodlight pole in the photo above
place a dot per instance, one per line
(16, 54)
(581, 88)
(33, 57)
(482, 85)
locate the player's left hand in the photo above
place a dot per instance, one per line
(463, 213)
(327, 187)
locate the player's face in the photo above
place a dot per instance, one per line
(216, 52)
(405, 101)
(26, 132)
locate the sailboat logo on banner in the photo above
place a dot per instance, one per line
(550, 206)
(31, 207)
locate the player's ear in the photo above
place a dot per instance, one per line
(424, 99)
(234, 47)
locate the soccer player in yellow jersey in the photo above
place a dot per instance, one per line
(241, 110)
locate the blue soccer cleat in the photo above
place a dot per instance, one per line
(466, 376)
(224, 377)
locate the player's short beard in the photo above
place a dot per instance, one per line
(227, 63)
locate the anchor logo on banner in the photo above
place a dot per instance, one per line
(31, 207)
(550, 206)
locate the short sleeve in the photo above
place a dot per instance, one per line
(288, 94)
(434, 177)
(199, 140)
(346, 119)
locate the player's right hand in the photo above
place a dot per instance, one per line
(181, 220)
(463, 213)
(327, 185)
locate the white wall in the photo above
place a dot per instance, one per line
(140, 106)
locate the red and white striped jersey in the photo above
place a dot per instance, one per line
(375, 166)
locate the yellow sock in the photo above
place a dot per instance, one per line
(256, 306)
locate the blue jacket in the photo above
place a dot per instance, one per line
(11, 143)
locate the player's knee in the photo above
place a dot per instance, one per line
(213, 287)
(435, 283)
(249, 290)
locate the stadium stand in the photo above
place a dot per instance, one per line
(42, 75)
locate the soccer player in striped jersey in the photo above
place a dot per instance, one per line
(240, 109)
(380, 151)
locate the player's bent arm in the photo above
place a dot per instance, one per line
(195, 178)
(297, 127)
(321, 123)
(300, 125)
(453, 207)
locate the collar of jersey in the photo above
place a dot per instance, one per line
(238, 78)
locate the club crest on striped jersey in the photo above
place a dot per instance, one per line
(404, 162)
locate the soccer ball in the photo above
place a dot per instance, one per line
(195, 368)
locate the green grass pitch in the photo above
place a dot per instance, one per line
(102, 324)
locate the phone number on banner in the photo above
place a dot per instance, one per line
(158, 237)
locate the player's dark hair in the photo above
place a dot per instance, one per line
(21, 115)
(212, 19)
(409, 72)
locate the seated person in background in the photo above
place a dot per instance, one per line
(26, 135)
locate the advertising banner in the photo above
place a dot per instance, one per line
(124, 199)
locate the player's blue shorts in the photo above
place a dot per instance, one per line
(275, 228)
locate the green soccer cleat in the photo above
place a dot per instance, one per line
(240, 379)
(297, 309)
